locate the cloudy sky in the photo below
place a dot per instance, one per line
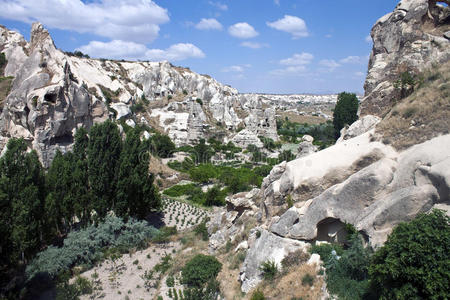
(270, 46)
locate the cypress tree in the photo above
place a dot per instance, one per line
(345, 112)
(136, 194)
(103, 157)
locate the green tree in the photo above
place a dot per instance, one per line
(202, 152)
(59, 204)
(22, 196)
(161, 145)
(345, 112)
(214, 196)
(136, 194)
(103, 161)
(80, 183)
(414, 263)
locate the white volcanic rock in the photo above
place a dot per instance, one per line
(54, 93)
(411, 38)
(268, 247)
(375, 199)
(359, 127)
(246, 137)
(308, 176)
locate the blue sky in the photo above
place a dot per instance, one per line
(270, 46)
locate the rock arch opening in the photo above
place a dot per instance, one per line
(331, 230)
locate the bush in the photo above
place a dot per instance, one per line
(170, 281)
(258, 295)
(164, 234)
(308, 279)
(345, 112)
(2, 60)
(161, 145)
(81, 286)
(414, 261)
(202, 231)
(200, 269)
(324, 250)
(86, 246)
(269, 269)
(347, 275)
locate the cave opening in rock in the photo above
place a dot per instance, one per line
(331, 230)
(50, 97)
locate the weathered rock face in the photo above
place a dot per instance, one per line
(411, 38)
(359, 127)
(306, 147)
(376, 198)
(54, 93)
(308, 176)
(268, 247)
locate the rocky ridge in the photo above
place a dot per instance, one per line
(54, 93)
(412, 38)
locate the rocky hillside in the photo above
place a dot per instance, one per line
(378, 174)
(413, 38)
(51, 93)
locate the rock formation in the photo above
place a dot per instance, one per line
(54, 93)
(410, 39)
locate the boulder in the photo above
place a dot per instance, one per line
(359, 127)
(268, 247)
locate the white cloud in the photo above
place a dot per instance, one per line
(289, 71)
(237, 69)
(298, 59)
(351, 60)
(254, 45)
(219, 5)
(359, 74)
(128, 20)
(129, 50)
(330, 64)
(209, 24)
(291, 24)
(242, 31)
(368, 39)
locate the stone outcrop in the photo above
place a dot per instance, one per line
(308, 176)
(359, 127)
(54, 93)
(306, 146)
(268, 247)
(376, 198)
(410, 39)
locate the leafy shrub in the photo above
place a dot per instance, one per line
(307, 279)
(202, 231)
(164, 265)
(170, 281)
(85, 246)
(258, 295)
(2, 60)
(347, 276)
(199, 101)
(269, 270)
(414, 261)
(210, 292)
(324, 250)
(200, 269)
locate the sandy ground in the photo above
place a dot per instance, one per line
(124, 277)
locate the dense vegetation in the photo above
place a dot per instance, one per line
(199, 274)
(345, 112)
(413, 263)
(101, 174)
(323, 134)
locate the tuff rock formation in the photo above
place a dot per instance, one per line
(410, 39)
(54, 93)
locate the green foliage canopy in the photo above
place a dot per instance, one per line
(345, 112)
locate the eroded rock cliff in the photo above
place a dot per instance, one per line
(53, 93)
